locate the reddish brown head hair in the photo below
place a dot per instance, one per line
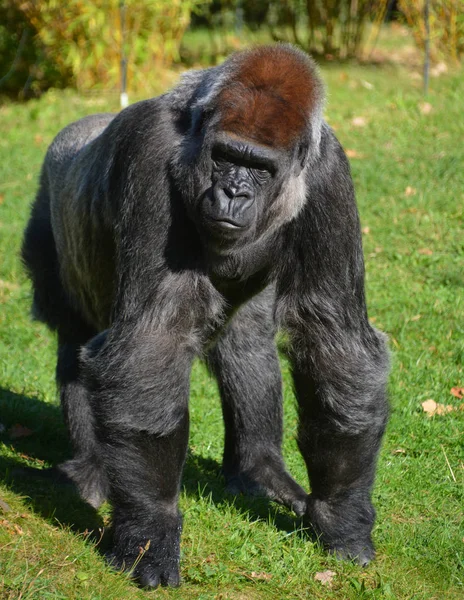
(270, 96)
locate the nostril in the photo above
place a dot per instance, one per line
(243, 195)
(230, 193)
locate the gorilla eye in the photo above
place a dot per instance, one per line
(219, 158)
(261, 174)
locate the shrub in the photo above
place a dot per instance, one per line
(446, 26)
(84, 37)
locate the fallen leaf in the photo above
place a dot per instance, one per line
(211, 558)
(399, 451)
(4, 506)
(19, 431)
(354, 154)
(261, 576)
(2, 198)
(457, 392)
(366, 230)
(367, 84)
(415, 317)
(425, 251)
(429, 406)
(434, 408)
(11, 528)
(325, 577)
(359, 122)
(425, 108)
(410, 191)
(442, 409)
(27, 457)
(438, 69)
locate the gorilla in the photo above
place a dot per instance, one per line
(195, 224)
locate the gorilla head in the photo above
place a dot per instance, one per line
(252, 135)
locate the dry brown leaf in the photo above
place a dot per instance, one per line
(27, 457)
(19, 431)
(442, 409)
(325, 577)
(425, 108)
(359, 122)
(438, 69)
(457, 392)
(4, 506)
(425, 251)
(366, 230)
(415, 317)
(354, 154)
(410, 191)
(367, 84)
(434, 408)
(11, 528)
(399, 451)
(261, 576)
(429, 406)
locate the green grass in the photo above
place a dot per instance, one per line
(415, 262)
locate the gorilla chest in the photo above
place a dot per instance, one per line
(238, 279)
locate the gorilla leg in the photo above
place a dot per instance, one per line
(246, 365)
(85, 467)
(51, 305)
(340, 386)
(139, 385)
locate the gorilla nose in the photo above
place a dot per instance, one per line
(234, 193)
(230, 206)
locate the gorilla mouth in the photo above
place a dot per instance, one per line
(226, 223)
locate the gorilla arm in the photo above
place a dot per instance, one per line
(339, 361)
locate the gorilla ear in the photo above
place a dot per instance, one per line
(302, 156)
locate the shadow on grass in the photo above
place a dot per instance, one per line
(44, 446)
(47, 445)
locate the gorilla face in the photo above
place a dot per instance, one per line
(245, 179)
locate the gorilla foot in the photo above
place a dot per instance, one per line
(151, 560)
(89, 478)
(344, 528)
(270, 480)
(146, 568)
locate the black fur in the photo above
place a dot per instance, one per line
(156, 238)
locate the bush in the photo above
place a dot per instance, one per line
(83, 38)
(330, 27)
(446, 26)
(25, 69)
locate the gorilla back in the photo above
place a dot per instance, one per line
(195, 224)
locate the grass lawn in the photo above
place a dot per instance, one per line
(408, 166)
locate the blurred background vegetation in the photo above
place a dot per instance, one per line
(82, 43)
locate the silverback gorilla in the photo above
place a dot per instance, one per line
(195, 224)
